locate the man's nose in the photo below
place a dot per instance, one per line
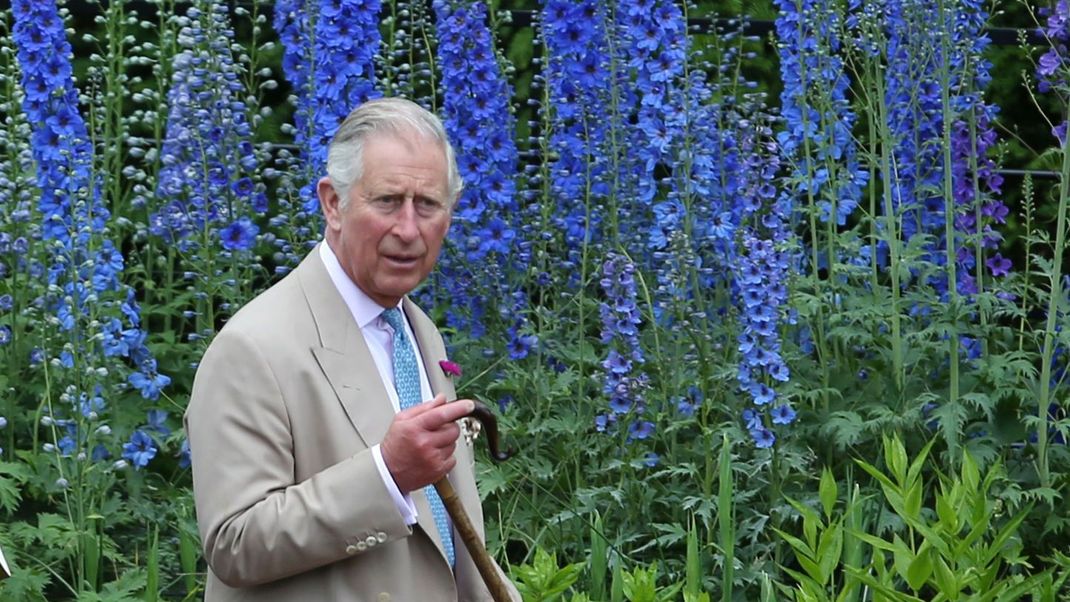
(407, 225)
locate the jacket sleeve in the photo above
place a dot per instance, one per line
(257, 523)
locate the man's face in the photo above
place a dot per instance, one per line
(388, 237)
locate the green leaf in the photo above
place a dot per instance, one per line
(827, 492)
(599, 558)
(640, 584)
(946, 580)
(829, 550)
(920, 569)
(693, 566)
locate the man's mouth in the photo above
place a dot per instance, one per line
(403, 260)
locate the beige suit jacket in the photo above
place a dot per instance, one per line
(286, 404)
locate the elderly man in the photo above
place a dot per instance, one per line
(319, 413)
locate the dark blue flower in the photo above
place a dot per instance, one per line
(763, 437)
(99, 453)
(783, 414)
(640, 429)
(239, 235)
(140, 450)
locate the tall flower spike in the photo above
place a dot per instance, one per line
(477, 116)
(579, 84)
(914, 113)
(95, 313)
(976, 183)
(207, 182)
(329, 57)
(817, 114)
(625, 382)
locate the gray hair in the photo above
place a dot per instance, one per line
(345, 156)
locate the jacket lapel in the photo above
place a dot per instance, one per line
(343, 355)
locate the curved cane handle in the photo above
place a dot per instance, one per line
(490, 425)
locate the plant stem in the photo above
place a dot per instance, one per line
(1054, 298)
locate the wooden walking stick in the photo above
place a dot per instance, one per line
(472, 541)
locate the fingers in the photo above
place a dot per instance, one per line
(419, 444)
(437, 412)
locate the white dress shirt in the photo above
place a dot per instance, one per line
(380, 339)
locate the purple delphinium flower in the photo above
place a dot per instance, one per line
(975, 180)
(1052, 66)
(999, 265)
(624, 380)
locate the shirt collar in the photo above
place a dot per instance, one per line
(364, 310)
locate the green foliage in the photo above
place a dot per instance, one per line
(543, 580)
(952, 544)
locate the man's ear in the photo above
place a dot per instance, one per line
(330, 203)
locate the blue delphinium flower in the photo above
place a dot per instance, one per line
(156, 421)
(816, 111)
(653, 33)
(915, 114)
(140, 449)
(148, 381)
(579, 86)
(183, 454)
(760, 280)
(478, 118)
(86, 293)
(239, 235)
(208, 180)
(329, 57)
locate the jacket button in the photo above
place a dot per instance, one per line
(361, 546)
(384, 597)
(351, 549)
(381, 537)
(371, 541)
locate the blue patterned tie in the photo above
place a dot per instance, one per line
(407, 383)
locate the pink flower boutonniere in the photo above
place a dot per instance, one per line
(450, 368)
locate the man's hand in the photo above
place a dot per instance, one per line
(418, 446)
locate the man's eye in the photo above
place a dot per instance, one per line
(388, 202)
(428, 205)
